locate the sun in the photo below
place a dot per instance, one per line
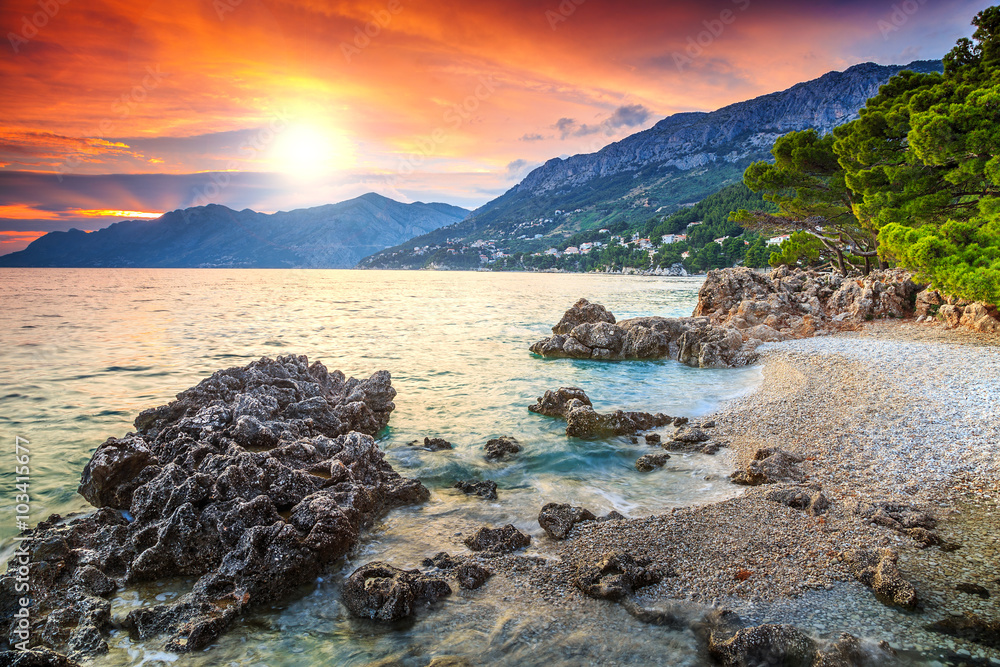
(310, 151)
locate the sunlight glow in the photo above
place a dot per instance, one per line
(311, 151)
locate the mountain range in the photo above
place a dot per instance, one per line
(329, 237)
(680, 160)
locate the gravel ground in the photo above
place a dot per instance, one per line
(896, 412)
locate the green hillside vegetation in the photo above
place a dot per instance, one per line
(702, 223)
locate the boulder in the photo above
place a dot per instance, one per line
(652, 438)
(809, 499)
(484, 489)
(249, 483)
(616, 575)
(582, 312)
(583, 422)
(502, 448)
(769, 466)
(557, 520)
(498, 540)
(877, 570)
(471, 576)
(648, 462)
(38, 657)
(442, 561)
(381, 592)
(555, 403)
(849, 651)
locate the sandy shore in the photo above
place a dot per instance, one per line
(896, 412)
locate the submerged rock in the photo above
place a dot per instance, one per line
(970, 627)
(616, 575)
(877, 569)
(765, 645)
(382, 592)
(502, 448)
(484, 489)
(498, 540)
(557, 520)
(649, 462)
(573, 405)
(431, 444)
(250, 483)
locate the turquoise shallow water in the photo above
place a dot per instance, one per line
(85, 350)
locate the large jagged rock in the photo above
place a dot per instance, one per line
(980, 317)
(35, 658)
(800, 497)
(382, 592)
(582, 312)
(798, 303)
(502, 448)
(558, 519)
(877, 569)
(616, 575)
(694, 341)
(250, 483)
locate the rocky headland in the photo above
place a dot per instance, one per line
(250, 483)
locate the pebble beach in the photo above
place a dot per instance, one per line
(895, 412)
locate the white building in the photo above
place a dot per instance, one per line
(572, 250)
(778, 240)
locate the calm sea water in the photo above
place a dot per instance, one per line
(85, 350)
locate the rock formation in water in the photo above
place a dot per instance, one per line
(250, 483)
(381, 592)
(572, 404)
(589, 331)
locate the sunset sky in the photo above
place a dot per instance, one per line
(125, 108)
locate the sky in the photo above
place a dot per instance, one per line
(116, 109)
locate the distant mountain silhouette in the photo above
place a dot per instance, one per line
(331, 236)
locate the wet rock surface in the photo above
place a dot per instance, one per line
(431, 444)
(484, 489)
(251, 483)
(616, 575)
(502, 448)
(573, 405)
(649, 462)
(557, 520)
(877, 569)
(381, 592)
(971, 627)
(35, 658)
(471, 576)
(498, 540)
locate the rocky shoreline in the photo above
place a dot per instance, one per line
(866, 493)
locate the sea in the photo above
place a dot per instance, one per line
(85, 350)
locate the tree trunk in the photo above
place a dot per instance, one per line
(868, 265)
(840, 262)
